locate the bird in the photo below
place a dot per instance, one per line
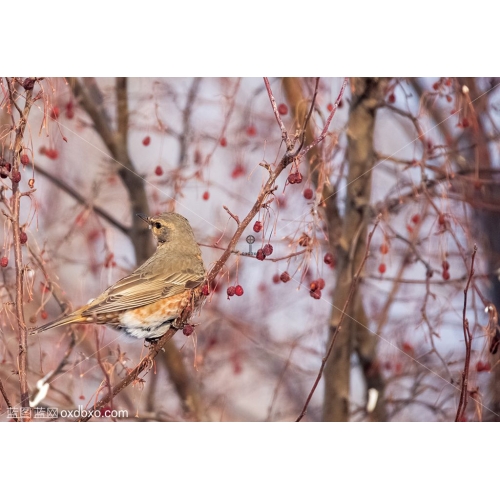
(144, 304)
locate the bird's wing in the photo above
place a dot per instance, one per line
(138, 290)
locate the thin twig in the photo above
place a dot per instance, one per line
(354, 284)
(4, 394)
(18, 254)
(462, 405)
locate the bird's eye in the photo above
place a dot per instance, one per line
(158, 225)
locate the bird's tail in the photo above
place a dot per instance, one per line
(75, 317)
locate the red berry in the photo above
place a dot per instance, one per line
(321, 283)
(223, 142)
(382, 268)
(392, 98)
(447, 82)
(308, 193)
(25, 159)
(238, 171)
(16, 176)
(268, 249)
(53, 154)
(446, 265)
(230, 291)
(238, 290)
(315, 294)
(328, 259)
(446, 275)
(257, 227)
(146, 141)
(282, 109)
(4, 261)
(449, 98)
(23, 237)
(384, 248)
(44, 314)
(435, 85)
(188, 330)
(206, 195)
(442, 219)
(483, 367)
(285, 277)
(415, 219)
(54, 114)
(407, 347)
(330, 107)
(314, 286)
(251, 131)
(409, 228)
(298, 178)
(70, 111)
(158, 170)
(465, 123)
(204, 290)
(276, 278)
(291, 179)
(260, 254)
(28, 83)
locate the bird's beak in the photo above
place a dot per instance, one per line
(145, 218)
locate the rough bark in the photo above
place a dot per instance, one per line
(347, 238)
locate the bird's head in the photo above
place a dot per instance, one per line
(168, 226)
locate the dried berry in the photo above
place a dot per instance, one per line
(28, 83)
(329, 259)
(16, 176)
(25, 159)
(4, 261)
(188, 330)
(321, 283)
(23, 237)
(285, 277)
(276, 278)
(257, 227)
(205, 290)
(230, 291)
(315, 294)
(260, 254)
(446, 275)
(238, 290)
(304, 240)
(391, 98)
(442, 219)
(268, 249)
(446, 265)
(314, 286)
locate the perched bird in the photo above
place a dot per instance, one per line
(145, 303)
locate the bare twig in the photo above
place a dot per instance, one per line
(462, 405)
(16, 233)
(4, 394)
(343, 314)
